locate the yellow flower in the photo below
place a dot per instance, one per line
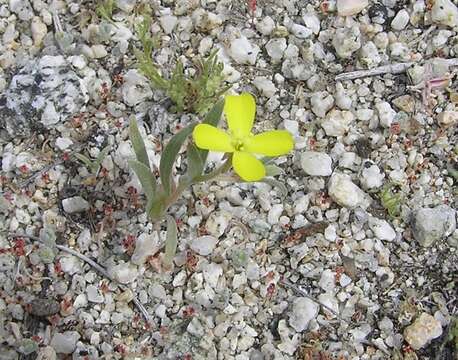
(240, 112)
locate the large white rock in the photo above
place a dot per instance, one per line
(75, 204)
(65, 343)
(386, 114)
(204, 245)
(316, 163)
(145, 245)
(124, 273)
(382, 230)
(432, 224)
(345, 193)
(243, 51)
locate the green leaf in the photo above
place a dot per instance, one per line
(171, 242)
(86, 161)
(137, 142)
(102, 155)
(277, 184)
(146, 178)
(273, 170)
(196, 163)
(170, 154)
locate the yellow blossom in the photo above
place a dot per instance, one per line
(240, 112)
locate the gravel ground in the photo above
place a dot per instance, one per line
(353, 256)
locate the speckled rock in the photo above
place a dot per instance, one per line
(43, 93)
(432, 224)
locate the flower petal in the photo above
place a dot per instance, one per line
(240, 111)
(270, 143)
(211, 138)
(248, 167)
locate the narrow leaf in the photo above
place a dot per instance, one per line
(169, 155)
(102, 155)
(195, 161)
(277, 184)
(273, 170)
(137, 142)
(86, 161)
(146, 178)
(171, 242)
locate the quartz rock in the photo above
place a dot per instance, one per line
(136, 88)
(65, 343)
(346, 41)
(321, 103)
(422, 331)
(401, 20)
(382, 230)
(432, 224)
(344, 192)
(265, 86)
(243, 51)
(146, 245)
(204, 245)
(124, 273)
(337, 122)
(385, 113)
(444, 12)
(39, 31)
(316, 163)
(75, 204)
(351, 7)
(168, 23)
(303, 311)
(447, 118)
(371, 177)
(266, 26)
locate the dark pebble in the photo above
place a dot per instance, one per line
(44, 307)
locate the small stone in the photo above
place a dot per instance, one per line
(274, 214)
(44, 307)
(84, 239)
(39, 30)
(382, 230)
(65, 343)
(371, 177)
(405, 103)
(346, 41)
(328, 280)
(303, 311)
(444, 12)
(344, 192)
(146, 245)
(99, 51)
(432, 224)
(301, 31)
(401, 20)
(46, 353)
(75, 204)
(447, 118)
(27, 346)
(212, 272)
(312, 21)
(266, 26)
(265, 86)
(63, 143)
(351, 7)
(136, 88)
(343, 101)
(204, 245)
(124, 273)
(321, 103)
(385, 113)
(243, 52)
(337, 122)
(168, 23)
(316, 163)
(93, 295)
(422, 331)
(70, 264)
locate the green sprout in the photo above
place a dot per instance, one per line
(390, 200)
(241, 153)
(93, 165)
(105, 9)
(190, 93)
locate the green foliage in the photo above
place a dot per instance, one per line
(93, 165)
(171, 242)
(190, 93)
(390, 201)
(105, 9)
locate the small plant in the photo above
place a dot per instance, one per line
(190, 93)
(239, 145)
(105, 9)
(93, 165)
(390, 200)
